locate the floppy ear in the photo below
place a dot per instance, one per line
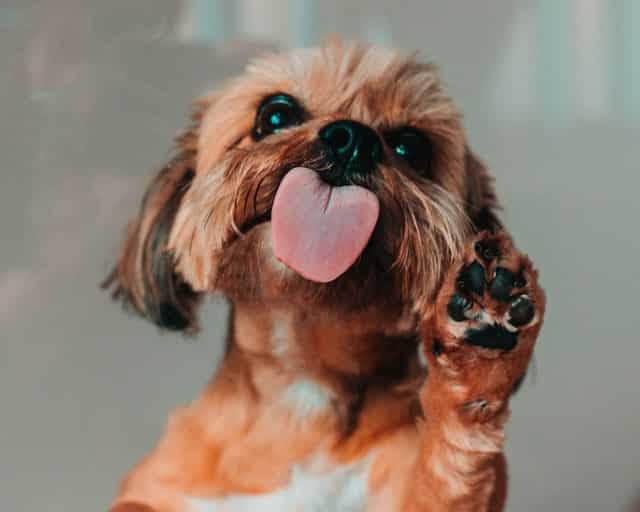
(481, 197)
(144, 276)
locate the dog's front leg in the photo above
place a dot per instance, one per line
(478, 342)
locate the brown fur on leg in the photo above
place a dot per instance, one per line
(476, 355)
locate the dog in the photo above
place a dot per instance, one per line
(380, 317)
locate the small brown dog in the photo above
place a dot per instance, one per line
(330, 195)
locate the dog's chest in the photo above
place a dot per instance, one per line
(313, 487)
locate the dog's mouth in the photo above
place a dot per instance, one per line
(319, 230)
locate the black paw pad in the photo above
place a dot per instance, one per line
(521, 311)
(487, 250)
(457, 307)
(472, 278)
(502, 284)
(492, 336)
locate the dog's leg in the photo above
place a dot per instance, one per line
(478, 342)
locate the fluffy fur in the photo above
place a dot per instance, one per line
(320, 403)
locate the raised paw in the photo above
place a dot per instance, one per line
(480, 337)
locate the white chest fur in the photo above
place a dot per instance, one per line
(313, 487)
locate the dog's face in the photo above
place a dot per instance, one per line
(343, 118)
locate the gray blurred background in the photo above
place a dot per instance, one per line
(91, 94)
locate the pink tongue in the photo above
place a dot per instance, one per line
(319, 230)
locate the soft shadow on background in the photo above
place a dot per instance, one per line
(91, 94)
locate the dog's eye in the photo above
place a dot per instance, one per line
(276, 113)
(411, 145)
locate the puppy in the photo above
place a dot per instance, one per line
(331, 196)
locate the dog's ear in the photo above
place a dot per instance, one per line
(144, 276)
(482, 203)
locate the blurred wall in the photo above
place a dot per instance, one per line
(91, 94)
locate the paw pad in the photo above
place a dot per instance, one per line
(503, 283)
(458, 307)
(521, 311)
(492, 336)
(472, 278)
(487, 249)
(490, 297)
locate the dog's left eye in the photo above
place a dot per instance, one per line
(276, 113)
(411, 145)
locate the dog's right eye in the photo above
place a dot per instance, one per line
(276, 113)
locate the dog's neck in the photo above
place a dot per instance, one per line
(343, 354)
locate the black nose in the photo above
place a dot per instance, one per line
(354, 150)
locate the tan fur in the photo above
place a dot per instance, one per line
(352, 343)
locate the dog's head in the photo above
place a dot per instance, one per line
(336, 178)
